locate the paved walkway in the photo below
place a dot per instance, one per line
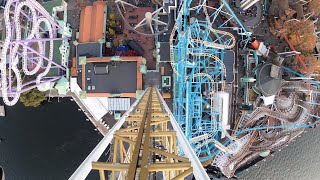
(146, 42)
(102, 129)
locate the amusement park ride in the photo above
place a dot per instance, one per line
(147, 146)
(149, 141)
(197, 59)
(29, 42)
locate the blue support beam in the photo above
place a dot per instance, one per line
(198, 61)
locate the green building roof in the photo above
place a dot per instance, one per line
(49, 5)
(62, 86)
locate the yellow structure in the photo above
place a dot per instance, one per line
(143, 145)
(146, 147)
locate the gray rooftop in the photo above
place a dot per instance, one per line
(122, 78)
(229, 59)
(164, 51)
(267, 85)
(89, 50)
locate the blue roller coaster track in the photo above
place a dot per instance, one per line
(198, 46)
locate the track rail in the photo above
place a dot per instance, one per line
(18, 46)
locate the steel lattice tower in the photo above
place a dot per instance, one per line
(144, 146)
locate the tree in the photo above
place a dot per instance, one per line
(112, 24)
(300, 33)
(112, 32)
(312, 63)
(32, 98)
(112, 16)
(115, 43)
(302, 36)
(315, 7)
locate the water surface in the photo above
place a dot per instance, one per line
(299, 161)
(44, 143)
(51, 141)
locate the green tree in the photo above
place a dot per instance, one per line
(32, 98)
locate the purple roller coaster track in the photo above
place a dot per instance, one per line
(28, 48)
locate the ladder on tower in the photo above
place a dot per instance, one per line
(144, 146)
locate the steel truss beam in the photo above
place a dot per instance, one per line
(141, 145)
(145, 147)
(25, 23)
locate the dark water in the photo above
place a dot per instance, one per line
(45, 143)
(51, 141)
(299, 161)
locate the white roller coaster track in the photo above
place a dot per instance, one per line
(30, 36)
(35, 33)
(217, 45)
(207, 44)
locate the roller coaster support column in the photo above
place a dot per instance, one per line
(41, 55)
(145, 147)
(18, 49)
